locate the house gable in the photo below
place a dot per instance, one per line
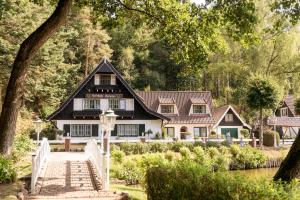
(220, 115)
(89, 88)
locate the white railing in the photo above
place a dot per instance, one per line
(38, 159)
(96, 155)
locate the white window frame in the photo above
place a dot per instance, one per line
(128, 130)
(87, 104)
(199, 129)
(81, 130)
(167, 112)
(113, 103)
(193, 109)
(229, 117)
(105, 81)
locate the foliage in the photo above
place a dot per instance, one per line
(297, 106)
(187, 180)
(246, 157)
(185, 152)
(118, 156)
(212, 144)
(21, 146)
(269, 138)
(263, 93)
(245, 133)
(7, 171)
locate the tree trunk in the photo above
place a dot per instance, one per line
(15, 87)
(290, 167)
(261, 127)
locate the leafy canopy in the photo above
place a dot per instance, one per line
(263, 93)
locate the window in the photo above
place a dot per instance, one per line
(170, 131)
(128, 130)
(91, 104)
(113, 104)
(284, 112)
(229, 118)
(199, 109)
(105, 79)
(81, 130)
(167, 109)
(200, 132)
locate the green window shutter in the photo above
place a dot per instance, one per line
(95, 130)
(141, 129)
(66, 130)
(114, 132)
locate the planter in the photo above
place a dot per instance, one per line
(143, 139)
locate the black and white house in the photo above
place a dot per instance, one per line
(180, 114)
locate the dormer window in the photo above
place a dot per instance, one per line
(199, 109)
(284, 112)
(167, 109)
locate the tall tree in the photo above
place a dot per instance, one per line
(263, 93)
(15, 87)
(189, 29)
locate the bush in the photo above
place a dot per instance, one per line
(212, 144)
(170, 155)
(127, 148)
(7, 172)
(188, 180)
(199, 144)
(245, 133)
(130, 172)
(269, 138)
(155, 147)
(118, 156)
(185, 152)
(247, 157)
(21, 146)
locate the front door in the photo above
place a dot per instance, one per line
(233, 132)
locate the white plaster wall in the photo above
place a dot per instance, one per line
(190, 129)
(154, 125)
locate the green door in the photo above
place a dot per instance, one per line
(233, 132)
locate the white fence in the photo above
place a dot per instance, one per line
(96, 156)
(38, 159)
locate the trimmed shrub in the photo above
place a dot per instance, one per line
(118, 156)
(212, 144)
(127, 148)
(155, 147)
(269, 138)
(7, 172)
(130, 172)
(199, 144)
(188, 180)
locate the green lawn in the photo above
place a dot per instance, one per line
(135, 192)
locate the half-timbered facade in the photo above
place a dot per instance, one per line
(105, 89)
(180, 114)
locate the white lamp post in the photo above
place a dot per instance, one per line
(108, 120)
(103, 127)
(38, 127)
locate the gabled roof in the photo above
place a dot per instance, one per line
(106, 67)
(284, 121)
(289, 102)
(219, 114)
(183, 101)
